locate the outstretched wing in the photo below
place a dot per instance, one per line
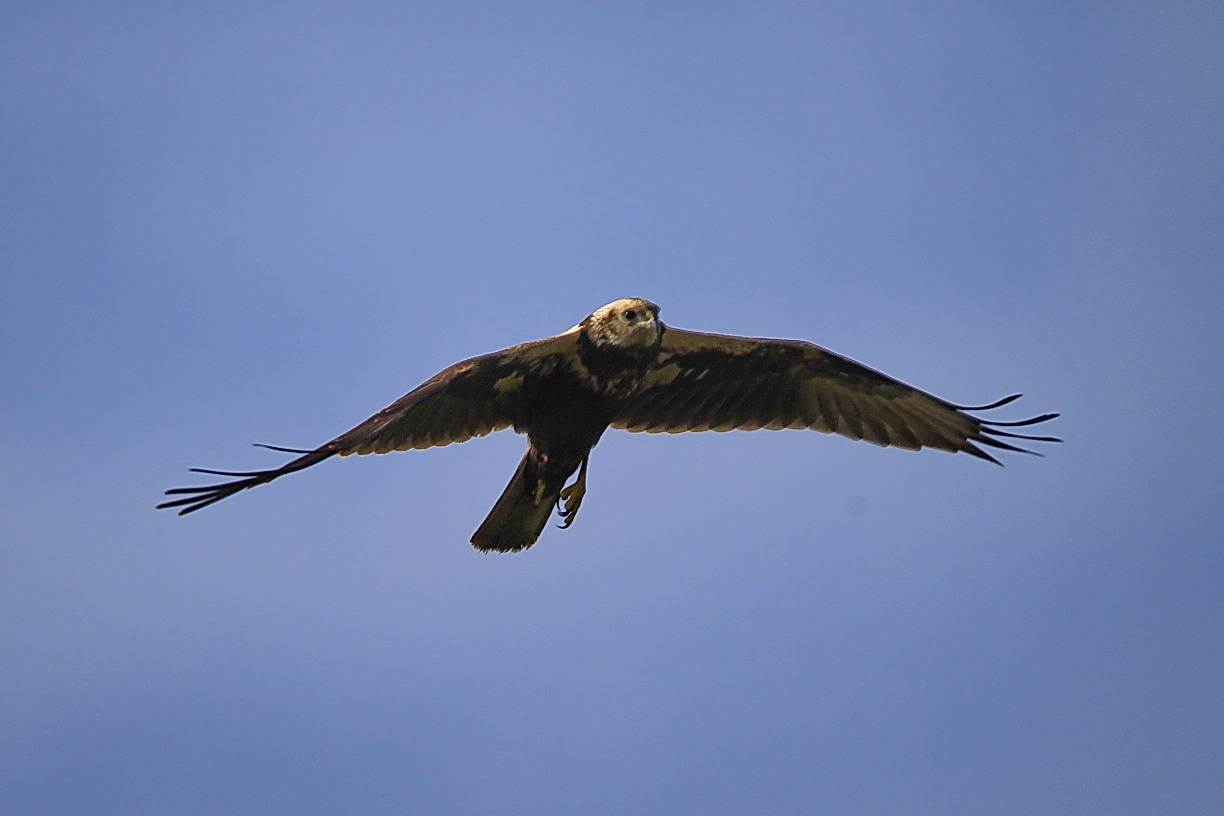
(713, 382)
(471, 398)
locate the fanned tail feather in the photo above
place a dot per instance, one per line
(517, 519)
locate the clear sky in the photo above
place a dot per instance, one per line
(232, 223)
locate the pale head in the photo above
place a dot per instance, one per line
(629, 322)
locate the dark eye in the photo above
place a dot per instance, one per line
(631, 315)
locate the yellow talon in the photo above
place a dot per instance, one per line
(573, 498)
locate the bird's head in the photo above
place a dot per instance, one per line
(625, 323)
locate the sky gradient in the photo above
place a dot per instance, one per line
(241, 223)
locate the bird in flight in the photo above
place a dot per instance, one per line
(624, 368)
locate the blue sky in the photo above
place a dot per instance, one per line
(239, 223)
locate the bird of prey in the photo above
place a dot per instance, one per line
(623, 368)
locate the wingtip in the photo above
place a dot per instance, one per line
(280, 449)
(991, 406)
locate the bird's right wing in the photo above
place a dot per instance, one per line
(472, 398)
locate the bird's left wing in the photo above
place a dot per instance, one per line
(713, 382)
(472, 398)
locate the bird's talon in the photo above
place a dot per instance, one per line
(573, 500)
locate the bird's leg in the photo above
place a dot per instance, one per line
(573, 497)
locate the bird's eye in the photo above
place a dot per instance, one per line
(631, 315)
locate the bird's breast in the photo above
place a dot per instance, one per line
(613, 372)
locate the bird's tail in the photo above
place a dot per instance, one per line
(519, 516)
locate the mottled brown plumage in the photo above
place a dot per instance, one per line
(623, 368)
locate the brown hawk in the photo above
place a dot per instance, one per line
(623, 368)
